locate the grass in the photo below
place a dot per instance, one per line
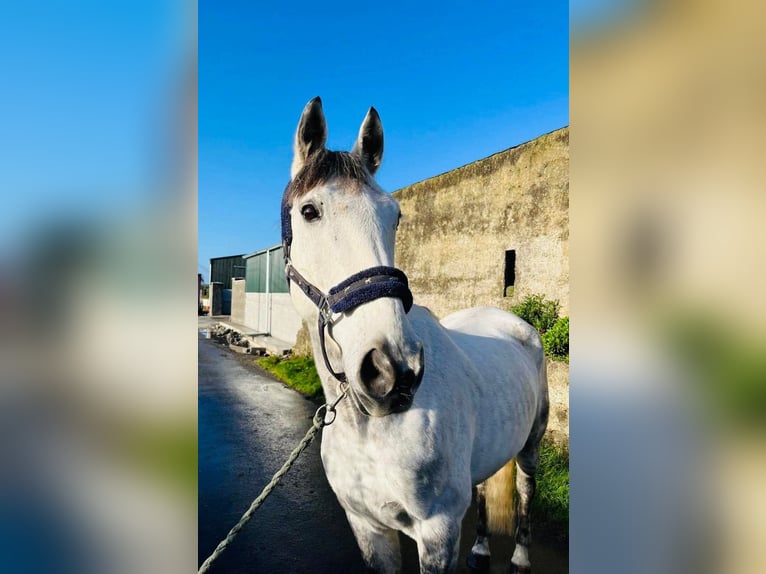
(298, 373)
(551, 502)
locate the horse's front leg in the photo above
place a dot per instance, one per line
(438, 541)
(379, 547)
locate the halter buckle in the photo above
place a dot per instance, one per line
(325, 312)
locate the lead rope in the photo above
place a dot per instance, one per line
(319, 422)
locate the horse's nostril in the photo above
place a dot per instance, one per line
(369, 371)
(376, 373)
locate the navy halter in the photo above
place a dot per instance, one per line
(363, 287)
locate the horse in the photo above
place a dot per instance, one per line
(426, 414)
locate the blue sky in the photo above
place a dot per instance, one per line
(82, 106)
(453, 83)
(86, 85)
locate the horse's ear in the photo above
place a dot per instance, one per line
(369, 144)
(310, 136)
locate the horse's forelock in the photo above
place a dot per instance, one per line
(324, 166)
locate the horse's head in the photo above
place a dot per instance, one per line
(339, 227)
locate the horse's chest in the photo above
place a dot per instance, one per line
(381, 480)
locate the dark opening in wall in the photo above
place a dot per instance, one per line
(510, 273)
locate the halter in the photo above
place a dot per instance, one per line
(363, 287)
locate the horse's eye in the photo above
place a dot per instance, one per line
(398, 220)
(309, 212)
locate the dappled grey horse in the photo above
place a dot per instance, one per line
(426, 409)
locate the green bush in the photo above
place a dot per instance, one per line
(538, 312)
(556, 340)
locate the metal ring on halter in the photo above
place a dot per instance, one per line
(320, 416)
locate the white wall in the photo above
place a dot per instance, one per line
(275, 308)
(285, 321)
(255, 312)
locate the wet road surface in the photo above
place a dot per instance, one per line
(248, 424)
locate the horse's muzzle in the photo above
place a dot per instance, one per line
(389, 382)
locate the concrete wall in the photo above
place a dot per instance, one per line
(272, 313)
(285, 321)
(558, 395)
(457, 227)
(255, 312)
(238, 301)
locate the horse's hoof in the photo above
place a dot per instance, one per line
(520, 569)
(478, 562)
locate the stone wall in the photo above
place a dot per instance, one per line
(457, 227)
(558, 394)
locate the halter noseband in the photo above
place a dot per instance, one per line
(363, 287)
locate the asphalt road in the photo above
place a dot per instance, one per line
(248, 424)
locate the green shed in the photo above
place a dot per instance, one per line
(265, 271)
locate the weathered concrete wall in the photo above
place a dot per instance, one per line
(238, 300)
(456, 228)
(558, 394)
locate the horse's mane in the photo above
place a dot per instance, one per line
(323, 166)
